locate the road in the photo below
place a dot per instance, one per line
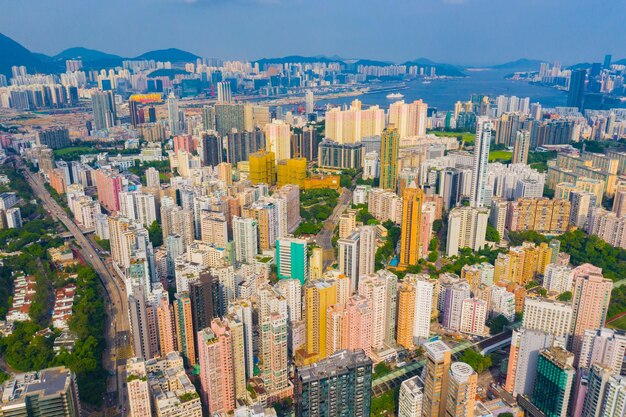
(117, 327)
(324, 238)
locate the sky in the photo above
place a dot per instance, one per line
(468, 32)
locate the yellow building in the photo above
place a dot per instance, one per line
(322, 181)
(318, 297)
(291, 171)
(411, 242)
(406, 315)
(389, 148)
(262, 168)
(462, 385)
(590, 185)
(542, 215)
(438, 358)
(522, 263)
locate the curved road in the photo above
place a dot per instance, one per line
(325, 236)
(117, 327)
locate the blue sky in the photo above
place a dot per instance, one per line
(469, 32)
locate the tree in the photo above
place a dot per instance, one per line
(437, 225)
(155, 234)
(477, 361)
(498, 324)
(492, 234)
(565, 296)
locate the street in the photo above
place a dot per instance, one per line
(325, 236)
(116, 308)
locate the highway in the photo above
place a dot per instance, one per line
(117, 327)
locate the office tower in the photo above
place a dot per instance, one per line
(590, 300)
(208, 118)
(183, 319)
(152, 178)
(262, 168)
(274, 353)
(338, 385)
(318, 297)
(436, 378)
(292, 259)
(54, 138)
(308, 143)
(473, 316)
(224, 92)
(278, 139)
(389, 147)
(245, 239)
(173, 115)
(217, 376)
(450, 187)
(229, 117)
(548, 316)
(349, 257)
(133, 110)
(467, 228)
(461, 395)
(553, 384)
(166, 325)
(211, 149)
(522, 368)
(104, 113)
(607, 61)
(603, 346)
(521, 147)
(411, 245)
(137, 388)
(478, 192)
(109, 184)
(411, 397)
(51, 391)
(202, 293)
(309, 102)
(576, 94)
(411, 119)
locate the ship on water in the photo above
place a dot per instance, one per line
(395, 95)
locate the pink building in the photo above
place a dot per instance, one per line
(217, 377)
(590, 302)
(109, 184)
(184, 143)
(359, 316)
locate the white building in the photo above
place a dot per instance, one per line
(411, 397)
(473, 316)
(558, 278)
(467, 228)
(245, 239)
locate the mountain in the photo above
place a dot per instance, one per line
(441, 68)
(620, 62)
(12, 53)
(522, 64)
(171, 54)
(372, 63)
(85, 54)
(580, 65)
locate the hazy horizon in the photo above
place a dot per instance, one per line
(464, 32)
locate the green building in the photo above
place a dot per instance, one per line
(553, 385)
(291, 259)
(389, 148)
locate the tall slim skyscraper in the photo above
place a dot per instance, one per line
(521, 147)
(576, 95)
(389, 146)
(461, 395)
(522, 370)
(318, 297)
(173, 115)
(245, 239)
(481, 159)
(292, 259)
(183, 318)
(411, 247)
(224, 92)
(211, 149)
(411, 397)
(310, 102)
(438, 357)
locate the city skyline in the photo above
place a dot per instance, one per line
(450, 29)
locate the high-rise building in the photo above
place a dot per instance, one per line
(549, 316)
(224, 92)
(245, 239)
(152, 178)
(595, 391)
(522, 368)
(273, 331)
(54, 138)
(411, 397)
(338, 385)
(137, 388)
(278, 139)
(310, 102)
(173, 115)
(318, 297)
(183, 319)
(411, 119)
(521, 147)
(461, 390)
(211, 149)
(411, 244)
(590, 301)
(229, 116)
(467, 228)
(352, 125)
(474, 315)
(389, 148)
(604, 346)
(104, 113)
(262, 168)
(202, 293)
(291, 171)
(51, 391)
(436, 376)
(109, 184)
(575, 97)
(478, 193)
(553, 384)
(292, 259)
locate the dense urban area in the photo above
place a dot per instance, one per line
(182, 236)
